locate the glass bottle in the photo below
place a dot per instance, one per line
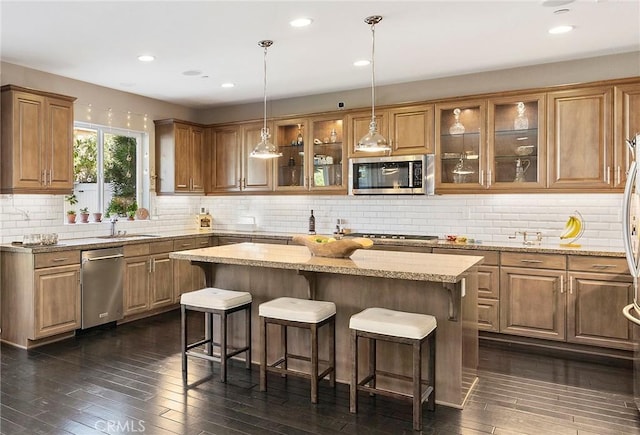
(299, 138)
(312, 223)
(456, 127)
(333, 136)
(521, 122)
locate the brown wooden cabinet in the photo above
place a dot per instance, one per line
(358, 126)
(580, 138)
(599, 288)
(56, 300)
(37, 141)
(532, 295)
(488, 286)
(148, 277)
(411, 130)
(181, 154)
(186, 277)
(627, 124)
(235, 169)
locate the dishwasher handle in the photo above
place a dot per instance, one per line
(106, 257)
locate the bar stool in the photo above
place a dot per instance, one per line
(223, 303)
(396, 327)
(298, 313)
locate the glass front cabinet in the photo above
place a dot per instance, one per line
(516, 143)
(493, 144)
(313, 154)
(460, 150)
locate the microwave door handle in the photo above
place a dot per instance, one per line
(410, 174)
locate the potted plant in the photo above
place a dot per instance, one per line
(71, 216)
(131, 210)
(84, 215)
(97, 217)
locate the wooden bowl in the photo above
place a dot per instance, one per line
(323, 246)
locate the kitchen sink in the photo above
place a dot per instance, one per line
(129, 236)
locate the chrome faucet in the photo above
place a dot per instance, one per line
(113, 221)
(525, 241)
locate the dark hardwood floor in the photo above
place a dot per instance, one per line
(128, 380)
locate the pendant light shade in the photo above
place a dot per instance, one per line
(373, 141)
(265, 149)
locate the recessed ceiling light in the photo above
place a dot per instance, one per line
(556, 3)
(561, 11)
(362, 62)
(227, 85)
(192, 72)
(146, 58)
(300, 22)
(560, 29)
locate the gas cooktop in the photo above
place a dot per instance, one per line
(392, 236)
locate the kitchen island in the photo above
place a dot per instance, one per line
(444, 286)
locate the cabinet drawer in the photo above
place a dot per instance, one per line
(49, 259)
(490, 257)
(488, 314)
(160, 247)
(538, 261)
(203, 242)
(598, 264)
(136, 250)
(230, 240)
(268, 240)
(184, 244)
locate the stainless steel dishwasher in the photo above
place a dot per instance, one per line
(102, 277)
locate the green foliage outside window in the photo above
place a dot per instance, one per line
(120, 171)
(85, 156)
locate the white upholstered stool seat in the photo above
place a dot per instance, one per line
(305, 314)
(222, 303)
(215, 298)
(297, 310)
(412, 329)
(394, 323)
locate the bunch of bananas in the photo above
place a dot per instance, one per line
(572, 228)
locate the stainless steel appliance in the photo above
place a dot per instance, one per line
(394, 175)
(101, 279)
(392, 236)
(631, 240)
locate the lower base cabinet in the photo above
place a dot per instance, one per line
(57, 300)
(187, 278)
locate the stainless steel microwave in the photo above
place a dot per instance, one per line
(393, 175)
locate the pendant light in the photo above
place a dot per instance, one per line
(373, 141)
(265, 149)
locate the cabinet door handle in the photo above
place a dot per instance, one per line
(43, 179)
(182, 185)
(489, 178)
(481, 177)
(50, 177)
(531, 261)
(618, 175)
(150, 265)
(57, 260)
(608, 175)
(561, 284)
(571, 285)
(603, 266)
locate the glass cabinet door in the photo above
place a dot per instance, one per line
(460, 149)
(516, 143)
(328, 158)
(291, 139)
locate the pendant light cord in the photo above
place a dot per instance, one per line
(373, 71)
(265, 89)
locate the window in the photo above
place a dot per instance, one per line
(108, 171)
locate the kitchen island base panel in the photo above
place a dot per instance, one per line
(455, 364)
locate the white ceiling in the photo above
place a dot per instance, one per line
(99, 41)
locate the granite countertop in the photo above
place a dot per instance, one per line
(97, 243)
(363, 262)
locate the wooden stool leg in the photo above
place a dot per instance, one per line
(263, 354)
(223, 346)
(247, 325)
(332, 354)
(314, 363)
(431, 402)
(353, 386)
(417, 380)
(183, 326)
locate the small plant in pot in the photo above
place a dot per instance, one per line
(131, 210)
(84, 215)
(97, 217)
(71, 216)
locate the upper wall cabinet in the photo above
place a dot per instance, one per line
(235, 170)
(411, 130)
(627, 125)
(580, 139)
(180, 148)
(516, 143)
(37, 141)
(313, 154)
(461, 152)
(358, 126)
